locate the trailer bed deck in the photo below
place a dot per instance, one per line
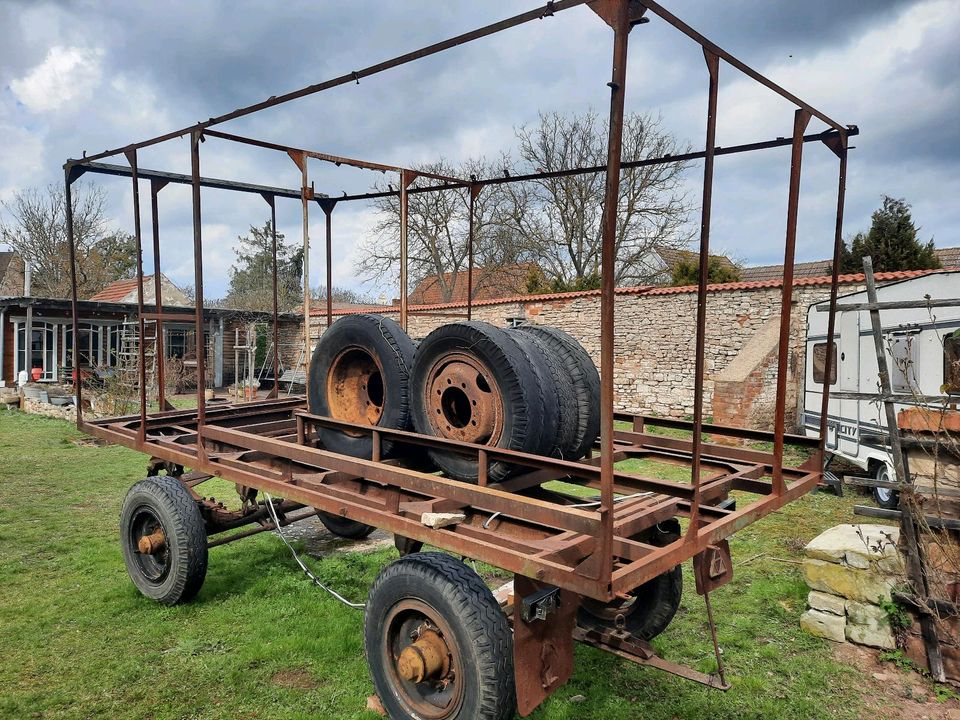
(519, 525)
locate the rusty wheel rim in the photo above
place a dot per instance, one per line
(423, 661)
(150, 548)
(463, 401)
(355, 389)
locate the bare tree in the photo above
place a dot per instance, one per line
(551, 226)
(438, 233)
(559, 218)
(37, 231)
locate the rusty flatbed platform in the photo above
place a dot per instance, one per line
(519, 525)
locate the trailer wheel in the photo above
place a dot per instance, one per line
(650, 608)
(437, 643)
(359, 373)
(345, 527)
(584, 381)
(473, 382)
(885, 497)
(164, 540)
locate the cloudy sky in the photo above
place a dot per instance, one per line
(85, 75)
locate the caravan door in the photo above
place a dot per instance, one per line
(847, 417)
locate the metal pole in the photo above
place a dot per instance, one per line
(74, 300)
(304, 197)
(800, 120)
(915, 569)
(141, 346)
(713, 67)
(198, 294)
(474, 191)
(328, 211)
(621, 29)
(829, 368)
(405, 180)
(155, 187)
(276, 299)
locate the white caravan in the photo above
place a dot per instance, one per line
(923, 357)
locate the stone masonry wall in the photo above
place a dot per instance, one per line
(655, 340)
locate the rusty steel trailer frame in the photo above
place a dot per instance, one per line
(517, 524)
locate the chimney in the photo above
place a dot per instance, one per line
(26, 279)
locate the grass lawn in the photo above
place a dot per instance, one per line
(77, 641)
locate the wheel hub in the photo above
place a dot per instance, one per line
(152, 543)
(463, 402)
(355, 390)
(427, 658)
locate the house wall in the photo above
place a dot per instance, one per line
(654, 343)
(11, 283)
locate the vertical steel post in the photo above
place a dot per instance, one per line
(405, 180)
(713, 68)
(841, 150)
(305, 196)
(276, 296)
(801, 119)
(620, 22)
(328, 212)
(141, 345)
(195, 139)
(74, 300)
(474, 191)
(155, 187)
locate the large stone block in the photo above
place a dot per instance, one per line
(825, 625)
(859, 546)
(869, 625)
(824, 602)
(851, 583)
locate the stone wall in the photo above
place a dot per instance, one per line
(655, 340)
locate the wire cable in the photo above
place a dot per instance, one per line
(316, 581)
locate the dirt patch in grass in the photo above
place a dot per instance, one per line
(895, 693)
(296, 679)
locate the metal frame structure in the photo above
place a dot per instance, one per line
(517, 524)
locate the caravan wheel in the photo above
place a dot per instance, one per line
(885, 497)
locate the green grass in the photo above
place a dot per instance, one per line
(77, 641)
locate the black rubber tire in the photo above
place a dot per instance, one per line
(393, 350)
(884, 497)
(558, 400)
(186, 539)
(519, 385)
(345, 527)
(655, 603)
(479, 626)
(583, 378)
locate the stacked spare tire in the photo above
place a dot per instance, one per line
(530, 388)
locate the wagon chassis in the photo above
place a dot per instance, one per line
(552, 541)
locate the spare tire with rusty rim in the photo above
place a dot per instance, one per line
(473, 382)
(359, 373)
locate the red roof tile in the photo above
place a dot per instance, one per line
(118, 290)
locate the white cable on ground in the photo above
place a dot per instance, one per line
(296, 556)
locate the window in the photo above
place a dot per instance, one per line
(89, 345)
(42, 349)
(903, 366)
(820, 363)
(951, 363)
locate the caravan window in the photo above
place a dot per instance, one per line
(903, 366)
(951, 363)
(820, 363)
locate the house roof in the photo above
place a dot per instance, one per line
(487, 284)
(672, 256)
(119, 289)
(949, 258)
